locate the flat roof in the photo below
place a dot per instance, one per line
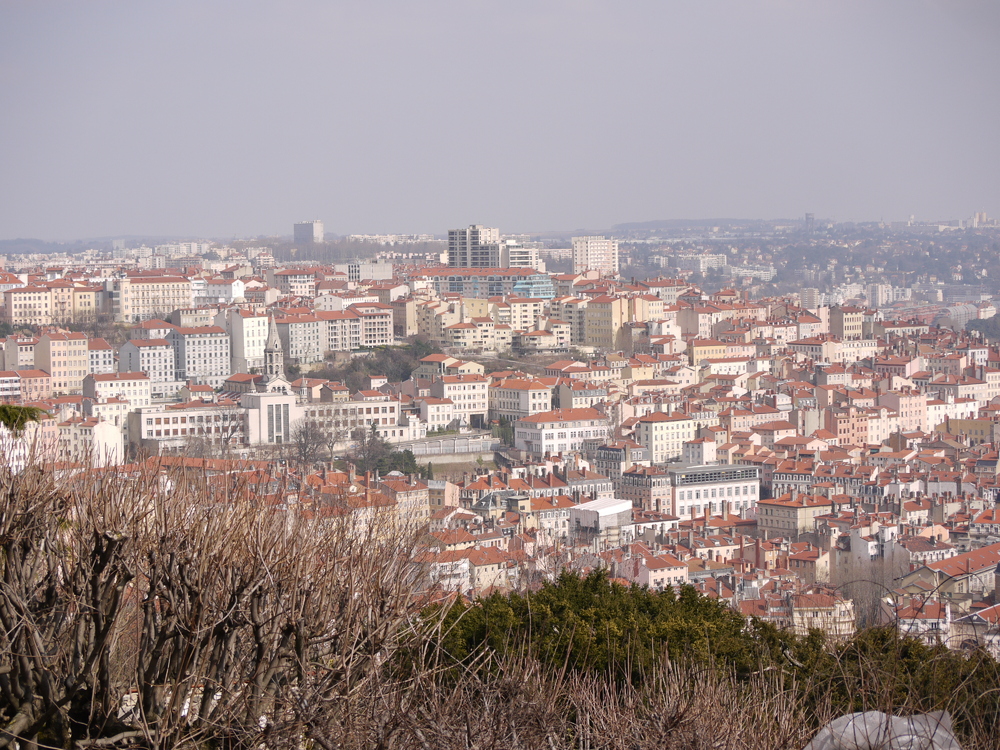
(606, 506)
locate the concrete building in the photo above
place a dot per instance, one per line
(307, 232)
(468, 393)
(133, 387)
(136, 298)
(66, 358)
(28, 306)
(700, 490)
(155, 357)
(271, 417)
(474, 247)
(559, 430)
(515, 254)
(247, 337)
(604, 520)
(201, 355)
(19, 352)
(516, 398)
(595, 253)
(102, 356)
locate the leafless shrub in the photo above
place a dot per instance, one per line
(149, 610)
(133, 607)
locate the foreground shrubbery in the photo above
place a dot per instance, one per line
(626, 636)
(182, 612)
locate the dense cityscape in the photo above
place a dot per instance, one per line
(499, 376)
(748, 408)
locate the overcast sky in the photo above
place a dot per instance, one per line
(223, 119)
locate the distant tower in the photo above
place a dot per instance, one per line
(595, 254)
(307, 232)
(810, 223)
(274, 356)
(475, 247)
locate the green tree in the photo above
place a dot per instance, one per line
(592, 624)
(16, 418)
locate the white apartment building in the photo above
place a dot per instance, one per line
(173, 428)
(516, 398)
(361, 411)
(559, 430)
(514, 254)
(10, 386)
(340, 301)
(155, 357)
(595, 253)
(102, 356)
(302, 339)
(247, 337)
(90, 441)
(468, 393)
(133, 387)
(698, 490)
(342, 331)
(307, 232)
(524, 312)
(376, 323)
(65, 356)
(574, 311)
(113, 410)
(293, 282)
(217, 291)
(137, 298)
(665, 434)
(437, 413)
(201, 355)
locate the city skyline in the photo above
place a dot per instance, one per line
(194, 120)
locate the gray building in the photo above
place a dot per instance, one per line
(474, 247)
(306, 232)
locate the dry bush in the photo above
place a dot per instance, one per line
(152, 610)
(171, 611)
(521, 705)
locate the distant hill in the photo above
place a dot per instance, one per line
(645, 226)
(24, 246)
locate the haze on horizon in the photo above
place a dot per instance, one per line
(220, 119)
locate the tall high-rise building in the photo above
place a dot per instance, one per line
(879, 295)
(474, 247)
(595, 253)
(810, 298)
(308, 231)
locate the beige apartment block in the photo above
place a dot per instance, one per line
(604, 319)
(28, 306)
(66, 357)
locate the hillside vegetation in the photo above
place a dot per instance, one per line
(148, 610)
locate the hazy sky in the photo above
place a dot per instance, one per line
(222, 119)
